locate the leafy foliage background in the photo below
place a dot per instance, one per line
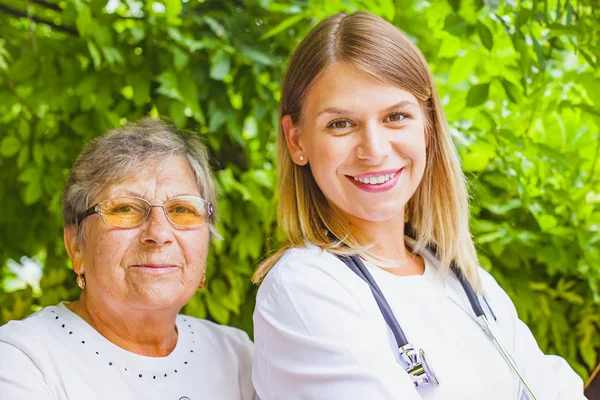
(519, 82)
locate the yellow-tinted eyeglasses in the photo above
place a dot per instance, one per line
(131, 212)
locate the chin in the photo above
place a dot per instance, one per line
(159, 298)
(374, 214)
(158, 304)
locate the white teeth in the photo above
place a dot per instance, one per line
(375, 180)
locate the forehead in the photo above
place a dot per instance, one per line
(346, 87)
(168, 177)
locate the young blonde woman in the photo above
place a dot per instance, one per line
(358, 304)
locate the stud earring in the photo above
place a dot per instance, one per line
(301, 158)
(80, 281)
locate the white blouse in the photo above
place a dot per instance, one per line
(54, 354)
(319, 334)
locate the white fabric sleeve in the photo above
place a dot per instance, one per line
(245, 353)
(549, 376)
(314, 341)
(20, 378)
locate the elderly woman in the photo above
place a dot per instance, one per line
(139, 214)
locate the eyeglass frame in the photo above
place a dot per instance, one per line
(97, 209)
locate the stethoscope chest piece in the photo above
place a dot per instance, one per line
(417, 366)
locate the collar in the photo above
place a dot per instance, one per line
(451, 285)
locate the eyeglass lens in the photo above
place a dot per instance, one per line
(125, 212)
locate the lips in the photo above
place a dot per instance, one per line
(378, 181)
(375, 180)
(156, 266)
(155, 269)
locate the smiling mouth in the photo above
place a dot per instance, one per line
(375, 180)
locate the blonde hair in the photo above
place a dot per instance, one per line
(438, 211)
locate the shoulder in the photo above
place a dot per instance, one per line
(224, 337)
(491, 288)
(308, 286)
(29, 330)
(498, 300)
(29, 343)
(307, 266)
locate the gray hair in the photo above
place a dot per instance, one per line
(117, 154)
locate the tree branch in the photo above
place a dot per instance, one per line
(47, 4)
(21, 14)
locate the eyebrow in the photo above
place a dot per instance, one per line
(334, 110)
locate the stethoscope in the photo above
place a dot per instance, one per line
(414, 359)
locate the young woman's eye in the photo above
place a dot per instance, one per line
(339, 124)
(396, 117)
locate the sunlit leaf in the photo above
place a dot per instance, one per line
(9, 146)
(283, 25)
(485, 35)
(221, 64)
(478, 94)
(455, 25)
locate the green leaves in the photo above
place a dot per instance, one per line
(285, 24)
(455, 24)
(528, 131)
(485, 35)
(23, 68)
(511, 90)
(221, 65)
(84, 21)
(9, 146)
(478, 94)
(174, 8)
(475, 161)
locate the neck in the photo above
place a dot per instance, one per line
(146, 332)
(386, 239)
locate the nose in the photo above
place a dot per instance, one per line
(156, 230)
(373, 146)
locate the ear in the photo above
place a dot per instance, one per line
(292, 139)
(74, 249)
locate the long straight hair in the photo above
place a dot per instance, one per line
(438, 211)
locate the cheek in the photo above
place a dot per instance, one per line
(327, 154)
(415, 147)
(107, 252)
(195, 249)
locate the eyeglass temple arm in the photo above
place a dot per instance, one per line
(90, 211)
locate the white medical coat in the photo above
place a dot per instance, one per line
(319, 334)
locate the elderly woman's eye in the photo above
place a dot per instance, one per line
(182, 209)
(122, 207)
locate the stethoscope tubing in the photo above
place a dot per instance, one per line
(357, 266)
(507, 357)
